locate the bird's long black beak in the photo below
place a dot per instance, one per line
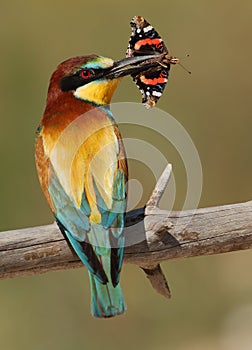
(131, 65)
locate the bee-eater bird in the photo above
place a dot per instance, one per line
(82, 168)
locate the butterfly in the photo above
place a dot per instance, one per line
(145, 40)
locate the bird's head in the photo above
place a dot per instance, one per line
(93, 78)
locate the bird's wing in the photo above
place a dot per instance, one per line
(83, 173)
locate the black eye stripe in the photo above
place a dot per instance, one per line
(72, 82)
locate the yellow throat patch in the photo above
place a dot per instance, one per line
(99, 91)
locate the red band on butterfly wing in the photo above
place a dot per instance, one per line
(157, 42)
(153, 81)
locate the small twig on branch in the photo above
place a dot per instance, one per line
(159, 188)
(152, 229)
(152, 236)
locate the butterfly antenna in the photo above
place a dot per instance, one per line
(181, 65)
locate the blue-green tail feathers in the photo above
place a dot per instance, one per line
(106, 299)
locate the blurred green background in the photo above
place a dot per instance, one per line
(212, 296)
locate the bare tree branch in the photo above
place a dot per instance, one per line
(153, 236)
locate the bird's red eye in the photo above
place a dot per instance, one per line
(86, 73)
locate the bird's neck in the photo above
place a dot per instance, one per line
(66, 108)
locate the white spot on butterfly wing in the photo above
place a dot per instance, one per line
(147, 29)
(156, 93)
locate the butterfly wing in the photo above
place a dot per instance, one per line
(145, 40)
